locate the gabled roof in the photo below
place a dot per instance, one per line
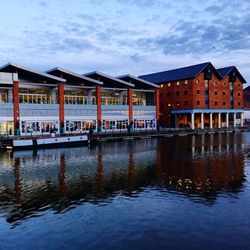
(108, 81)
(25, 72)
(138, 82)
(73, 77)
(177, 74)
(224, 72)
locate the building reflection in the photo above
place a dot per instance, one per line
(58, 179)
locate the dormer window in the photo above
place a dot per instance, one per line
(208, 73)
(232, 76)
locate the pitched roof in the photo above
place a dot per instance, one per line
(72, 77)
(176, 74)
(12, 67)
(138, 82)
(227, 70)
(107, 80)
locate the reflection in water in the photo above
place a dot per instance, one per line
(195, 166)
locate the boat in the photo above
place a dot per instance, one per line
(49, 142)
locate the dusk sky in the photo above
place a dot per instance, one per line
(125, 36)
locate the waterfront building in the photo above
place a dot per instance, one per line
(61, 101)
(246, 92)
(200, 96)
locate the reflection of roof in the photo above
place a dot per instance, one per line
(176, 74)
(30, 73)
(72, 77)
(109, 81)
(138, 82)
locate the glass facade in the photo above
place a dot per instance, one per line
(39, 127)
(34, 96)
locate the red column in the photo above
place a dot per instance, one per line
(99, 107)
(61, 106)
(130, 105)
(15, 92)
(157, 104)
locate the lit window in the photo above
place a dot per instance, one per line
(177, 104)
(169, 105)
(177, 83)
(161, 85)
(197, 81)
(169, 84)
(186, 82)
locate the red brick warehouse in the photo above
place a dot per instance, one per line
(200, 96)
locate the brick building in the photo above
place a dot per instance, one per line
(200, 96)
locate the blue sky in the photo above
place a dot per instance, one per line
(125, 36)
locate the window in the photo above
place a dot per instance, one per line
(197, 91)
(168, 94)
(186, 82)
(161, 95)
(215, 83)
(177, 104)
(185, 103)
(238, 103)
(177, 93)
(161, 85)
(169, 84)
(238, 84)
(198, 102)
(215, 103)
(169, 105)
(224, 103)
(185, 92)
(177, 83)
(197, 81)
(224, 93)
(215, 93)
(239, 94)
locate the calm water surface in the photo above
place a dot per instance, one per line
(172, 193)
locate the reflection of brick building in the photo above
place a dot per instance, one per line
(200, 96)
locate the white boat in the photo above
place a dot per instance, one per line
(50, 142)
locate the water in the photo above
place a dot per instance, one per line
(171, 193)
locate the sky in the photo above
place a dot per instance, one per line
(125, 36)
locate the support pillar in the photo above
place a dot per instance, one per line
(241, 119)
(157, 106)
(15, 94)
(192, 120)
(61, 106)
(202, 120)
(227, 120)
(219, 120)
(99, 107)
(211, 120)
(234, 120)
(130, 106)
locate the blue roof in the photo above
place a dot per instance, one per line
(176, 74)
(225, 71)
